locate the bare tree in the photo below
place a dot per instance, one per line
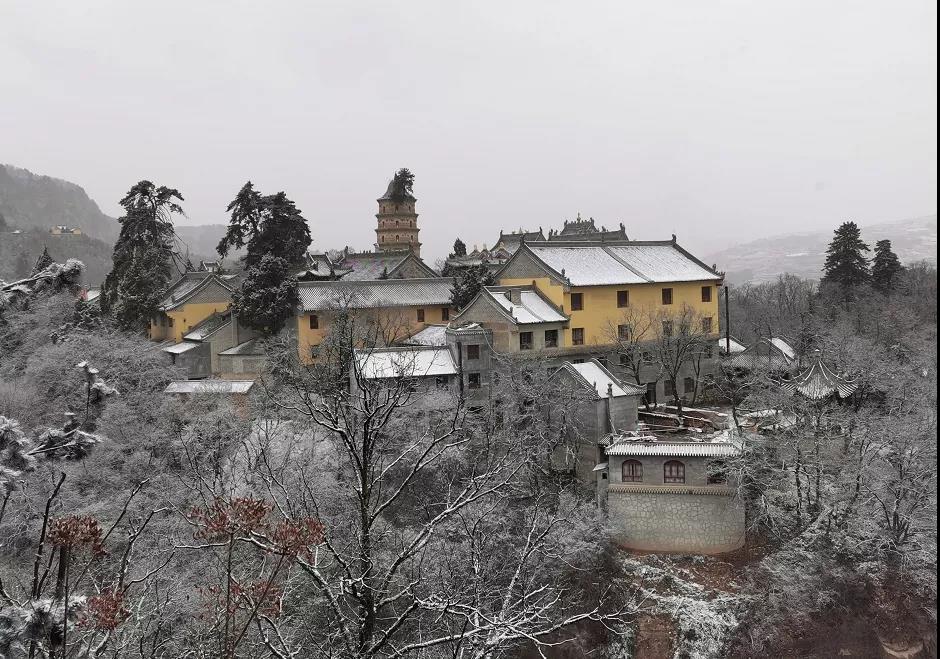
(409, 477)
(682, 337)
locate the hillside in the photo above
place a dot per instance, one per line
(30, 201)
(34, 203)
(803, 254)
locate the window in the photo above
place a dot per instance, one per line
(624, 359)
(441, 381)
(170, 320)
(473, 352)
(668, 328)
(445, 314)
(577, 336)
(314, 321)
(577, 301)
(688, 386)
(525, 340)
(667, 296)
(650, 397)
(647, 357)
(577, 361)
(473, 380)
(623, 332)
(669, 388)
(706, 293)
(623, 299)
(420, 315)
(673, 472)
(551, 338)
(631, 471)
(708, 350)
(707, 325)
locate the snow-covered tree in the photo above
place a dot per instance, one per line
(143, 254)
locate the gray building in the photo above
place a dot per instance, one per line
(661, 495)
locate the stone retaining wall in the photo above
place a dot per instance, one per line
(701, 520)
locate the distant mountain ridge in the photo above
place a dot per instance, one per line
(35, 203)
(29, 200)
(803, 254)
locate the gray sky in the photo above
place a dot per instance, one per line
(719, 121)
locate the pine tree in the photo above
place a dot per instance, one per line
(268, 295)
(885, 267)
(43, 262)
(269, 224)
(276, 236)
(143, 254)
(471, 282)
(460, 249)
(402, 185)
(846, 265)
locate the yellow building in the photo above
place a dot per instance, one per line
(598, 286)
(63, 230)
(190, 300)
(387, 310)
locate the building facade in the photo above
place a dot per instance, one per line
(386, 311)
(397, 223)
(662, 495)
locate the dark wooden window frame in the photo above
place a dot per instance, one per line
(674, 472)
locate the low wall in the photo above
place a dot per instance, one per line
(699, 520)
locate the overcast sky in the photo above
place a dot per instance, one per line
(717, 121)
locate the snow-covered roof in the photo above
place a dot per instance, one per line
(819, 381)
(644, 446)
(620, 263)
(411, 362)
(432, 335)
(209, 387)
(766, 353)
(531, 307)
(593, 374)
(736, 346)
(323, 295)
(192, 282)
(249, 347)
(181, 347)
(372, 265)
(214, 322)
(784, 347)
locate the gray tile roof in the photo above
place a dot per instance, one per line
(249, 347)
(432, 335)
(324, 295)
(819, 381)
(214, 322)
(191, 282)
(642, 446)
(531, 308)
(621, 263)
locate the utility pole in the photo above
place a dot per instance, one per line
(727, 322)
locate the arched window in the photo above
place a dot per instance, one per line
(673, 472)
(632, 471)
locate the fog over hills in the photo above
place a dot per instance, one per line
(803, 254)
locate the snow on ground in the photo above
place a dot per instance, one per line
(697, 593)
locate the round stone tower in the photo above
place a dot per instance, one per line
(397, 227)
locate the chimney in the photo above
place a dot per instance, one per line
(515, 296)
